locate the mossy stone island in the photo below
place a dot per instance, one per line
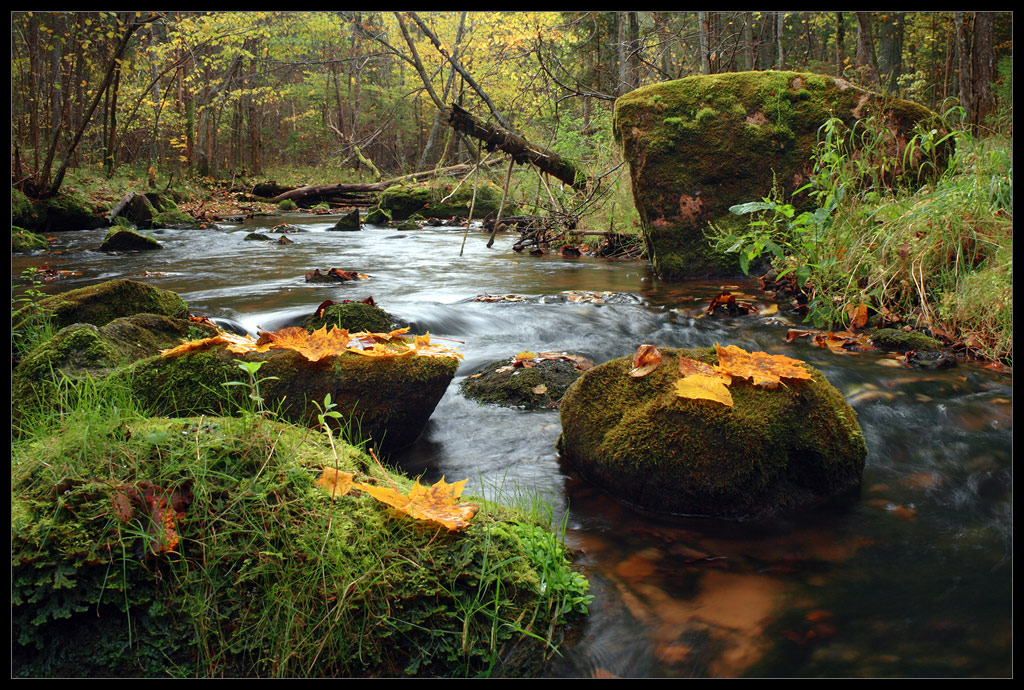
(699, 145)
(535, 388)
(205, 547)
(352, 316)
(436, 199)
(121, 239)
(775, 452)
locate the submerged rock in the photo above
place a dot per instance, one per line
(775, 451)
(697, 146)
(539, 386)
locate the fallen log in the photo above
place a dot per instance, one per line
(115, 211)
(324, 191)
(522, 151)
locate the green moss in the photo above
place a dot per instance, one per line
(402, 201)
(271, 576)
(120, 238)
(902, 341)
(286, 205)
(388, 400)
(23, 211)
(24, 241)
(773, 451)
(99, 304)
(353, 316)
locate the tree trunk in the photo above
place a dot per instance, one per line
(780, 18)
(866, 62)
(890, 50)
(840, 37)
(703, 30)
(963, 49)
(983, 65)
(748, 41)
(520, 149)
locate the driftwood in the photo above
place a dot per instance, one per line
(115, 211)
(522, 151)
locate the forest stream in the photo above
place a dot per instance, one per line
(914, 579)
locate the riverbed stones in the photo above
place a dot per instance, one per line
(776, 451)
(697, 146)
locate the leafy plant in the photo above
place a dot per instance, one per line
(251, 370)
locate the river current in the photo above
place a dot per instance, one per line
(914, 579)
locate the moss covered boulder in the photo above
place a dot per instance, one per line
(355, 317)
(25, 241)
(102, 303)
(385, 400)
(122, 239)
(435, 199)
(774, 452)
(697, 146)
(348, 223)
(206, 547)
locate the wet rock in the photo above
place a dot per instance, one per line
(699, 145)
(258, 236)
(121, 239)
(285, 228)
(896, 340)
(923, 359)
(333, 275)
(349, 222)
(775, 451)
(510, 383)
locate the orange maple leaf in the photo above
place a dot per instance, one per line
(335, 482)
(436, 503)
(313, 346)
(761, 368)
(239, 344)
(646, 359)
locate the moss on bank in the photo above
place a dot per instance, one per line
(271, 577)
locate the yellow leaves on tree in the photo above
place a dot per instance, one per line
(321, 343)
(438, 503)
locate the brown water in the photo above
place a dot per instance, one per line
(912, 580)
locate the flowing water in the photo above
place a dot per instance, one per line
(915, 579)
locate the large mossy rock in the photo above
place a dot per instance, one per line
(697, 146)
(66, 211)
(535, 388)
(385, 400)
(83, 349)
(102, 303)
(205, 547)
(774, 452)
(399, 202)
(122, 239)
(25, 241)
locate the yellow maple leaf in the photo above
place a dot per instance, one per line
(336, 482)
(436, 503)
(761, 368)
(704, 387)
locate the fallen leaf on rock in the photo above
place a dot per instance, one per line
(437, 503)
(761, 368)
(313, 346)
(704, 387)
(540, 389)
(335, 482)
(646, 359)
(239, 344)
